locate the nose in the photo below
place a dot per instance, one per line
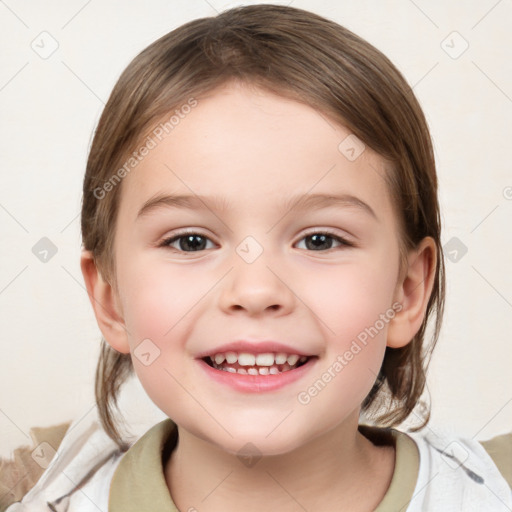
(256, 288)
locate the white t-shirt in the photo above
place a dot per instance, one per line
(455, 474)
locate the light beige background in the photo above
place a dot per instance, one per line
(49, 109)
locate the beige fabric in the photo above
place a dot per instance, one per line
(21, 472)
(500, 450)
(139, 482)
(405, 476)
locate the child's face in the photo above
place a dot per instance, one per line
(259, 274)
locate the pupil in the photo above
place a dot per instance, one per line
(189, 240)
(319, 241)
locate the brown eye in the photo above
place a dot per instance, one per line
(323, 241)
(186, 242)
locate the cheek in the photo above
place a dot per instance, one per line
(153, 304)
(157, 298)
(160, 302)
(348, 299)
(353, 306)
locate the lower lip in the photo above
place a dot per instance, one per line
(257, 383)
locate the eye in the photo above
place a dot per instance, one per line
(323, 240)
(186, 242)
(195, 242)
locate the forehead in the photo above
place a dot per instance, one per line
(253, 149)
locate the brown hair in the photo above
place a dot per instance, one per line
(302, 56)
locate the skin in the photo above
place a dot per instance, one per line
(256, 149)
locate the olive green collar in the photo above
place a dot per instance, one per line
(139, 482)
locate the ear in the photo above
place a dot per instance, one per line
(413, 293)
(105, 305)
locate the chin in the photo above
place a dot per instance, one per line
(257, 444)
(265, 435)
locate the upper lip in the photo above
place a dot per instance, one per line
(253, 347)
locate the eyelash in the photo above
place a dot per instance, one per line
(166, 243)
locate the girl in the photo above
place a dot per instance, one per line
(261, 246)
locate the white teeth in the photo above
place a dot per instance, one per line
(280, 358)
(267, 362)
(263, 370)
(246, 359)
(265, 359)
(292, 359)
(231, 357)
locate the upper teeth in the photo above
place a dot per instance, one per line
(266, 359)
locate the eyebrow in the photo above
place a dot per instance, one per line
(295, 203)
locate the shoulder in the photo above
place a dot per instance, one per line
(78, 475)
(500, 450)
(458, 472)
(20, 472)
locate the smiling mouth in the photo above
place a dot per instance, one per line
(274, 368)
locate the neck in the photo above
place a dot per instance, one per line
(334, 471)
